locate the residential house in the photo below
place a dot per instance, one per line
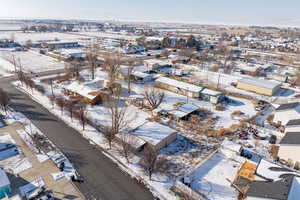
(293, 125)
(133, 49)
(93, 92)
(155, 64)
(139, 74)
(278, 77)
(189, 90)
(60, 44)
(259, 86)
(269, 181)
(178, 87)
(286, 112)
(289, 147)
(250, 69)
(153, 134)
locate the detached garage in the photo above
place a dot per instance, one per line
(155, 135)
(259, 86)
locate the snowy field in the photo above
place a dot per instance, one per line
(108, 35)
(6, 67)
(35, 37)
(31, 62)
(10, 26)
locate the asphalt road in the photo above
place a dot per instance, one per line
(103, 179)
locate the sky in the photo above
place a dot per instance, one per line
(237, 12)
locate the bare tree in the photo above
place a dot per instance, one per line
(112, 66)
(165, 53)
(60, 102)
(81, 115)
(187, 53)
(118, 118)
(4, 100)
(51, 84)
(52, 99)
(154, 97)
(297, 80)
(72, 70)
(149, 160)
(92, 60)
(127, 140)
(70, 108)
(130, 69)
(39, 141)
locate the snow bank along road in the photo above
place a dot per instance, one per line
(103, 180)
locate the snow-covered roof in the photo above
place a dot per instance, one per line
(140, 74)
(140, 68)
(136, 142)
(273, 171)
(5, 139)
(231, 146)
(180, 84)
(211, 92)
(177, 113)
(188, 108)
(250, 68)
(4, 181)
(72, 51)
(158, 62)
(153, 132)
(62, 42)
(29, 189)
(88, 89)
(260, 83)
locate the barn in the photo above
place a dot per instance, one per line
(259, 86)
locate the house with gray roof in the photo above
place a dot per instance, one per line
(289, 147)
(286, 112)
(293, 125)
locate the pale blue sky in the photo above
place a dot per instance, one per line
(260, 12)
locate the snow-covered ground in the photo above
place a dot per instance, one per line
(184, 154)
(36, 37)
(210, 179)
(225, 81)
(6, 67)
(30, 61)
(110, 35)
(225, 120)
(160, 184)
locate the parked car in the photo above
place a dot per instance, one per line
(259, 108)
(273, 139)
(262, 102)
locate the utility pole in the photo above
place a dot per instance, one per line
(218, 80)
